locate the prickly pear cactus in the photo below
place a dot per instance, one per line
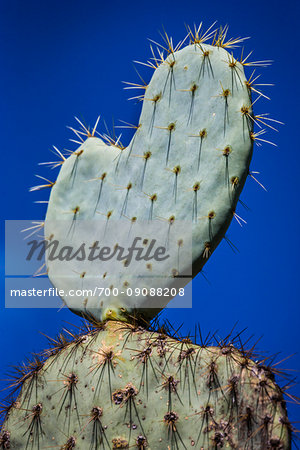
(179, 179)
(125, 387)
(122, 385)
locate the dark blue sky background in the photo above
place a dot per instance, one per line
(62, 59)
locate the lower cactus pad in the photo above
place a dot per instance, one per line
(120, 386)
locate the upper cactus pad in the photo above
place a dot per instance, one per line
(186, 166)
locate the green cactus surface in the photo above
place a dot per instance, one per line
(121, 386)
(179, 180)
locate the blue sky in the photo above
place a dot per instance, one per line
(66, 59)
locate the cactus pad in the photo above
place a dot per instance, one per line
(185, 167)
(125, 387)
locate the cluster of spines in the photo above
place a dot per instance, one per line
(252, 421)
